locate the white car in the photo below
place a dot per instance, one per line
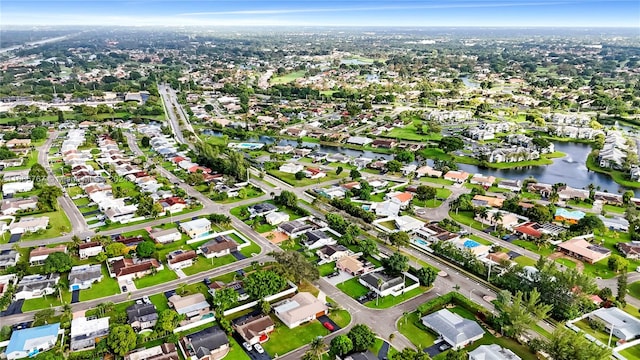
(247, 346)
(258, 348)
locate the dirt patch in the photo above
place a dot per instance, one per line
(275, 237)
(559, 255)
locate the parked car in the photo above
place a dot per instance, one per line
(328, 325)
(247, 346)
(124, 288)
(258, 348)
(444, 347)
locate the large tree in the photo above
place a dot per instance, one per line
(399, 238)
(294, 266)
(451, 143)
(395, 264)
(48, 197)
(410, 354)
(224, 298)
(362, 337)
(38, 174)
(427, 275)
(260, 284)
(520, 312)
(565, 344)
(287, 198)
(168, 319)
(116, 249)
(145, 249)
(58, 262)
(340, 345)
(121, 339)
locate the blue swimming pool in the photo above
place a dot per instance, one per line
(470, 244)
(366, 207)
(420, 242)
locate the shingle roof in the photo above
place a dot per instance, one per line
(453, 328)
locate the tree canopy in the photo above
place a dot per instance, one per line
(58, 262)
(121, 339)
(294, 266)
(260, 284)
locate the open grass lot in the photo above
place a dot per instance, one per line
(390, 301)
(632, 353)
(580, 203)
(353, 288)
(613, 209)
(287, 78)
(27, 163)
(107, 287)
(436, 181)
(160, 277)
(58, 223)
(566, 262)
(543, 251)
(291, 178)
(250, 250)
(411, 327)
(466, 218)
(203, 264)
(524, 261)
(160, 301)
(408, 132)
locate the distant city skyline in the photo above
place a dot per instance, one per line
(458, 13)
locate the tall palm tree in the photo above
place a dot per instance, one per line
(483, 214)
(496, 217)
(554, 197)
(318, 347)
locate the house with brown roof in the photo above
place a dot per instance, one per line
(484, 181)
(581, 249)
(630, 250)
(255, 329)
(384, 143)
(219, 246)
(38, 255)
(86, 250)
(456, 176)
(132, 268)
(481, 200)
(354, 266)
(18, 143)
(179, 259)
(543, 189)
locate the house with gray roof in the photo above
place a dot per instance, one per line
(36, 286)
(381, 283)
(210, 343)
(142, 316)
(316, 239)
(82, 277)
(625, 326)
(453, 328)
(8, 258)
(295, 228)
(261, 209)
(492, 352)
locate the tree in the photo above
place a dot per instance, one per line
(317, 347)
(265, 306)
(410, 354)
(354, 174)
(195, 178)
(121, 339)
(368, 246)
(168, 319)
(60, 116)
(588, 224)
(399, 238)
(145, 249)
(287, 198)
(427, 275)
(58, 262)
(224, 298)
(339, 170)
(393, 166)
(520, 312)
(38, 174)
(622, 288)
(617, 263)
(340, 345)
(101, 257)
(300, 175)
(116, 249)
(425, 193)
(48, 197)
(39, 133)
(261, 284)
(451, 143)
(626, 197)
(294, 266)
(459, 354)
(539, 213)
(145, 142)
(362, 337)
(565, 344)
(43, 316)
(405, 156)
(395, 264)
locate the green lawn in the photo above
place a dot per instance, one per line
(436, 181)
(580, 203)
(288, 77)
(634, 289)
(291, 178)
(390, 300)
(566, 262)
(248, 251)
(160, 277)
(614, 209)
(524, 261)
(203, 264)
(411, 327)
(49, 300)
(408, 132)
(282, 339)
(236, 352)
(353, 288)
(252, 192)
(543, 251)
(27, 163)
(326, 269)
(378, 344)
(160, 301)
(466, 218)
(600, 335)
(632, 353)
(58, 223)
(107, 287)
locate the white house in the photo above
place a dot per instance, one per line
(36, 286)
(12, 206)
(17, 187)
(87, 250)
(625, 326)
(300, 308)
(381, 283)
(291, 168)
(165, 236)
(29, 224)
(86, 333)
(180, 259)
(276, 218)
(315, 239)
(492, 352)
(196, 228)
(82, 277)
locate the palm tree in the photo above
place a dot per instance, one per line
(318, 347)
(483, 214)
(455, 204)
(496, 217)
(554, 197)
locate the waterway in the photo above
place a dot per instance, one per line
(570, 169)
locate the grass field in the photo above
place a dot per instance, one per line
(353, 288)
(58, 223)
(524, 261)
(408, 132)
(160, 277)
(287, 78)
(390, 300)
(107, 287)
(436, 180)
(203, 264)
(411, 327)
(291, 178)
(634, 289)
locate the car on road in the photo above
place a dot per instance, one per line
(247, 346)
(328, 325)
(258, 348)
(124, 288)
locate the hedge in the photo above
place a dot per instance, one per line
(456, 298)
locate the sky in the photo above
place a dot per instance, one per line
(425, 13)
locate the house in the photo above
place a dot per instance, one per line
(8, 258)
(315, 239)
(237, 286)
(428, 171)
(384, 143)
(38, 255)
(85, 333)
(12, 206)
(543, 189)
(506, 219)
(6, 281)
(608, 198)
(331, 253)
(165, 236)
(142, 316)
(11, 188)
(481, 200)
(191, 306)
(18, 143)
(581, 249)
(401, 198)
(484, 181)
(83, 276)
(208, 344)
(219, 246)
(300, 308)
(89, 249)
(133, 268)
(477, 249)
(382, 284)
(407, 223)
(31, 341)
(616, 223)
(630, 250)
(35, 286)
(457, 176)
(196, 228)
(625, 326)
(492, 352)
(29, 224)
(529, 230)
(295, 228)
(453, 328)
(314, 173)
(386, 208)
(359, 140)
(262, 209)
(172, 204)
(276, 218)
(354, 266)
(166, 351)
(367, 355)
(408, 169)
(291, 168)
(255, 329)
(497, 258)
(511, 185)
(180, 259)
(571, 217)
(569, 193)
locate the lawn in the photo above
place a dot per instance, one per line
(250, 250)
(287, 78)
(566, 262)
(27, 163)
(614, 209)
(236, 352)
(600, 335)
(408, 132)
(632, 353)
(107, 287)
(162, 276)
(291, 178)
(160, 301)
(49, 300)
(282, 339)
(378, 344)
(580, 203)
(203, 264)
(543, 251)
(353, 288)
(58, 223)
(466, 218)
(634, 289)
(411, 327)
(437, 181)
(524, 261)
(326, 269)
(390, 300)
(251, 192)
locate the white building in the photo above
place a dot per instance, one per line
(17, 187)
(196, 228)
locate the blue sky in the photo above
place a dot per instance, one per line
(510, 13)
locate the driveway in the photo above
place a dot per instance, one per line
(15, 238)
(75, 296)
(14, 308)
(324, 318)
(131, 286)
(434, 349)
(238, 255)
(253, 354)
(342, 277)
(384, 351)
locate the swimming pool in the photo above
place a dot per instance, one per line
(420, 242)
(366, 207)
(470, 244)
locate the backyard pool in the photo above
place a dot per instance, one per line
(470, 244)
(420, 242)
(366, 207)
